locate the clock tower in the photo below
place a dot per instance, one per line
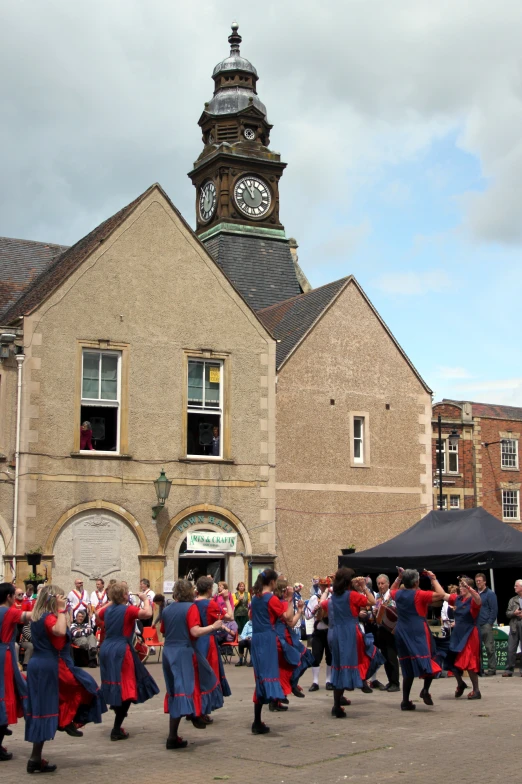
(237, 186)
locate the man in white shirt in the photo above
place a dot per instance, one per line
(78, 599)
(98, 598)
(320, 645)
(149, 593)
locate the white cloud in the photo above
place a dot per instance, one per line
(413, 283)
(507, 391)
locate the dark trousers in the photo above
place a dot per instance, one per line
(242, 646)
(320, 647)
(486, 634)
(514, 639)
(385, 642)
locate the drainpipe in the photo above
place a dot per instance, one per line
(20, 360)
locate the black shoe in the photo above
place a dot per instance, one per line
(407, 706)
(72, 730)
(338, 713)
(120, 734)
(377, 685)
(426, 697)
(93, 664)
(507, 674)
(5, 755)
(343, 701)
(489, 673)
(474, 695)
(392, 688)
(297, 692)
(40, 766)
(176, 743)
(240, 663)
(198, 722)
(7, 731)
(260, 729)
(277, 707)
(249, 664)
(329, 686)
(459, 691)
(286, 701)
(314, 687)
(366, 689)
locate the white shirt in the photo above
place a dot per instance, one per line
(75, 600)
(97, 600)
(149, 593)
(311, 607)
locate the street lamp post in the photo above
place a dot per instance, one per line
(162, 486)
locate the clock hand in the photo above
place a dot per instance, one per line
(251, 192)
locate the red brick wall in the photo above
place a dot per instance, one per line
(492, 472)
(447, 411)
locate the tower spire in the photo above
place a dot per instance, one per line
(234, 39)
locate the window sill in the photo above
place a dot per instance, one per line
(359, 465)
(510, 468)
(93, 455)
(207, 459)
(511, 519)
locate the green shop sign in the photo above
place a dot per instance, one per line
(501, 650)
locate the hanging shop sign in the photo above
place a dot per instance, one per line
(211, 541)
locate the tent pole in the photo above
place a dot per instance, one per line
(492, 580)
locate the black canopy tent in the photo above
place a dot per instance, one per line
(462, 539)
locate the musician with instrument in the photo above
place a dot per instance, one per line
(385, 620)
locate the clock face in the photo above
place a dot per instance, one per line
(207, 201)
(252, 196)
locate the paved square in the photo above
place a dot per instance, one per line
(456, 740)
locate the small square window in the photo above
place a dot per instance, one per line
(454, 502)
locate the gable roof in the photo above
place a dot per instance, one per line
(292, 320)
(487, 410)
(21, 261)
(66, 263)
(289, 321)
(261, 269)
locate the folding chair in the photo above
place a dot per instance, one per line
(229, 649)
(151, 640)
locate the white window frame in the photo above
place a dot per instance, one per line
(100, 402)
(448, 449)
(454, 501)
(511, 505)
(506, 456)
(359, 440)
(214, 411)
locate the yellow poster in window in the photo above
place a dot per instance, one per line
(214, 375)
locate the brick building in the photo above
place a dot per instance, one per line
(483, 468)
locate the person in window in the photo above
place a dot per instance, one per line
(215, 441)
(86, 436)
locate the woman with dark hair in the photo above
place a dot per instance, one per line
(125, 679)
(13, 691)
(210, 612)
(465, 640)
(266, 610)
(415, 644)
(293, 657)
(354, 659)
(193, 690)
(60, 696)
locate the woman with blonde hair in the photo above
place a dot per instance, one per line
(125, 679)
(60, 695)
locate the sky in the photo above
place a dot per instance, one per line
(400, 121)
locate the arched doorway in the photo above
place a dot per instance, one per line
(206, 540)
(96, 540)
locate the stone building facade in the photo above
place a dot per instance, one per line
(142, 296)
(483, 468)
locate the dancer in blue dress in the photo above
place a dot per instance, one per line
(13, 691)
(266, 610)
(193, 689)
(294, 658)
(210, 611)
(60, 695)
(415, 644)
(465, 646)
(354, 659)
(125, 679)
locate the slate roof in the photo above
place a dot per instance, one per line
(21, 261)
(65, 263)
(262, 270)
(490, 410)
(289, 321)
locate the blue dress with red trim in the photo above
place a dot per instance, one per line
(13, 689)
(192, 686)
(296, 655)
(413, 639)
(465, 639)
(113, 652)
(208, 647)
(263, 652)
(354, 655)
(43, 687)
